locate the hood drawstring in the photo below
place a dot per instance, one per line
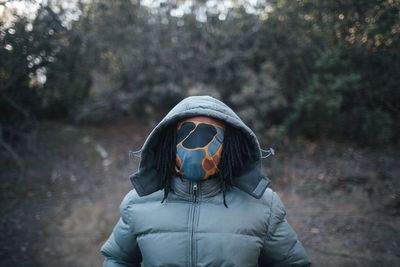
(270, 152)
(132, 154)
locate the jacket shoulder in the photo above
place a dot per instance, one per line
(126, 202)
(128, 199)
(275, 206)
(133, 198)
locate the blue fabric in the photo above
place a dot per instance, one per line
(196, 149)
(191, 163)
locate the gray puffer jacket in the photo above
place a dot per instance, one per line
(193, 227)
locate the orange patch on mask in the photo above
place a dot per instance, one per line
(210, 163)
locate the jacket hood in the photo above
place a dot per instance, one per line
(146, 179)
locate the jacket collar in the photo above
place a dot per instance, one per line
(250, 180)
(185, 188)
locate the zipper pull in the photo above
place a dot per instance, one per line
(195, 187)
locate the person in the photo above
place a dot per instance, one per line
(200, 199)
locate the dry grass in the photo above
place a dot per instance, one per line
(343, 202)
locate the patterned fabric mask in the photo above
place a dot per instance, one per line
(198, 150)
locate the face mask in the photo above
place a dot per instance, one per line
(198, 150)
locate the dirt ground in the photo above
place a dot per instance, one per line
(343, 202)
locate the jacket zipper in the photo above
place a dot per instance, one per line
(194, 213)
(195, 188)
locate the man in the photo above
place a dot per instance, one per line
(199, 197)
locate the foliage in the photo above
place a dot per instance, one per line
(41, 75)
(306, 67)
(342, 90)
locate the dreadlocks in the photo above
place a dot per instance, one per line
(165, 157)
(235, 153)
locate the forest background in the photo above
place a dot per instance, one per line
(83, 82)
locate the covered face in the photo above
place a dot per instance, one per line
(199, 147)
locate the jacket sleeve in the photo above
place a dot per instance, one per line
(121, 248)
(282, 247)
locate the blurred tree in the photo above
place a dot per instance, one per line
(40, 75)
(304, 67)
(340, 75)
